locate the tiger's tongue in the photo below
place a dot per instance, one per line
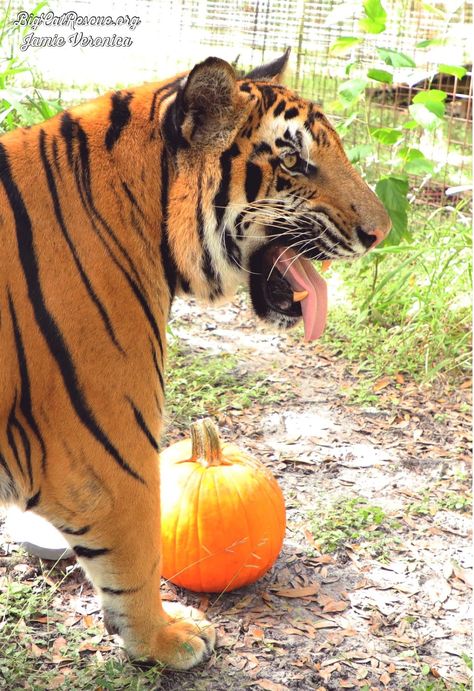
(301, 275)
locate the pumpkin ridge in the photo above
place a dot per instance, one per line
(183, 493)
(265, 557)
(242, 504)
(276, 519)
(230, 492)
(198, 530)
(216, 494)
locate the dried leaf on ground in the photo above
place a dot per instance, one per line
(381, 383)
(414, 442)
(269, 685)
(37, 651)
(437, 589)
(335, 606)
(465, 575)
(298, 592)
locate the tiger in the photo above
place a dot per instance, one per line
(192, 186)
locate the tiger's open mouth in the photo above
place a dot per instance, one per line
(277, 274)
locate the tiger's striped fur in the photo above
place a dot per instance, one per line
(106, 212)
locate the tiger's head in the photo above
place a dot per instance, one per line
(260, 187)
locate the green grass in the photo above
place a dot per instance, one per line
(432, 684)
(429, 684)
(353, 520)
(20, 106)
(429, 505)
(200, 384)
(407, 308)
(39, 652)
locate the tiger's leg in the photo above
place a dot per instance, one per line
(119, 550)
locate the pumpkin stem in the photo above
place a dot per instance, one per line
(206, 447)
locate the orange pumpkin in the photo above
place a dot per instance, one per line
(222, 513)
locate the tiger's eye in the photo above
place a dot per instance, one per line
(290, 161)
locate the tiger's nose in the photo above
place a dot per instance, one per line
(372, 239)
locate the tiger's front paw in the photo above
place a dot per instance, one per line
(186, 639)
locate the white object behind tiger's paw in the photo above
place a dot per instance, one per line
(37, 537)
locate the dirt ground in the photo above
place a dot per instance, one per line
(389, 610)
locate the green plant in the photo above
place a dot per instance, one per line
(19, 106)
(353, 520)
(414, 316)
(428, 106)
(429, 505)
(424, 507)
(405, 307)
(39, 651)
(424, 680)
(426, 113)
(429, 683)
(200, 384)
(455, 501)
(362, 394)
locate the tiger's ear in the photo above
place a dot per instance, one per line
(273, 71)
(210, 102)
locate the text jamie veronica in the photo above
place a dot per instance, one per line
(76, 22)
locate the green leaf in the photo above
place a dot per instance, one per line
(437, 11)
(395, 58)
(414, 161)
(375, 17)
(380, 75)
(410, 125)
(426, 116)
(374, 10)
(431, 42)
(420, 166)
(5, 113)
(433, 100)
(409, 153)
(387, 135)
(430, 96)
(14, 70)
(352, 89)
(359, 152)
(13, 95)
(349, 67)
(343, 45)
(454, 70)
(392, 190)
(436, 107)
(425, 670)
(371, 27)
(343, 126)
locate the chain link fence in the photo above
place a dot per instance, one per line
(172, 35)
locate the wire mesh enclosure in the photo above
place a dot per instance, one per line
(254, 31)
(450, 147)
(175, 34)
